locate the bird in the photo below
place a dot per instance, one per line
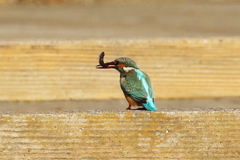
(135, 84)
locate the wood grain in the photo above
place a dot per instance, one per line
(86, 2)
(205, 134)
(65, 70)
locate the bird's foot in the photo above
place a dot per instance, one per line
(129, 108)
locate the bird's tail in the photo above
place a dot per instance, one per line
(150, 106)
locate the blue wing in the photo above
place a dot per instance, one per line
(138, 86)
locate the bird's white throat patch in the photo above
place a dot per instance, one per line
(127, 69)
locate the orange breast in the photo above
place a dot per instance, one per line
(130, 101)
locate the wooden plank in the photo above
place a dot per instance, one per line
(131, 20)
(179, 68)
(91, 2)
(205, 134)
(115, 105)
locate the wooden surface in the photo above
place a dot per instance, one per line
(116, 105)
(203, 134)
(104, 19)
(179, 68)
(89, 2)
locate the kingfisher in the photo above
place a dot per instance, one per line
(135, 84)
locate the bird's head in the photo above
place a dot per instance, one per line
(120, 64)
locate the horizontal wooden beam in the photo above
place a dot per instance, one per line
(202, 134)
(65, 70)
(87, 2)
(115, 105)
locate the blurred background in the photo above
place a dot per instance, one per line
(102, 19)
(51, 21)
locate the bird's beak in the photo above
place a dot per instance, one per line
(107, 65)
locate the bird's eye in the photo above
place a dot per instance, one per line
(116, 62)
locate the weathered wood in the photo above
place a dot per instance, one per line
(105, 19)
(175, 134)
(179, 68)
(88, 1)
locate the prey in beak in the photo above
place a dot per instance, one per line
(107, 65)
(135, 84)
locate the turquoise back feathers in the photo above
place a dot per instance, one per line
(137, 85)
